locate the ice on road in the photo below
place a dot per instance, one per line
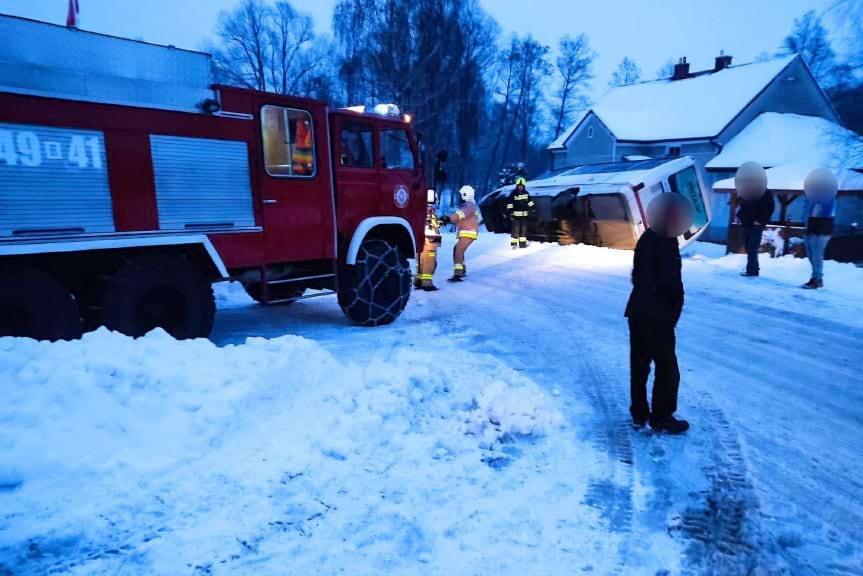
(485, 432)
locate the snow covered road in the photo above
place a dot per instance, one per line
(485, 432)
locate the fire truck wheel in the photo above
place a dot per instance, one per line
(159, 291)
(281, 292)
(377, 288)
(34, 304)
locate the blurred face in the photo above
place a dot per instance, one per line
(519, 187)
(750, 181)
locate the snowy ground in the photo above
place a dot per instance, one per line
(485, 432)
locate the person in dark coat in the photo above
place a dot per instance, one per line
(653, 310)
(755, 210)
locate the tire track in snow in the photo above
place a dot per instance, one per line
(720, 524)
(612, 494)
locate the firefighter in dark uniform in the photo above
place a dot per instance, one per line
(653, 310)
(520, 206)
(427, 264)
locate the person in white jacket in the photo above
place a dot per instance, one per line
(466, 220)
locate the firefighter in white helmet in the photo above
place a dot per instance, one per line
(466, 220)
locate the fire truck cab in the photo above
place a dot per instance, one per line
(129, 184)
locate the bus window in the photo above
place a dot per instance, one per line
(686, 184)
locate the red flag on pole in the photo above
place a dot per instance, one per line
(72, 15)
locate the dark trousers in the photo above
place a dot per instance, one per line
(519, 232)
(752, 241)
(652, 342)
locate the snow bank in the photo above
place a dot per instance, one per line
(172, 456)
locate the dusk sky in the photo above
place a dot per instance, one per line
(651, 32)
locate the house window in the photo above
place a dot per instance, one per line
(289, 142)
(674, 150)
(590, 131)
(357, 148)
(396, 150)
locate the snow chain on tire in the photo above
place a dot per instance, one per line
(377, 288)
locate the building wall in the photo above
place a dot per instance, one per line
(584, 150)
(558, 159)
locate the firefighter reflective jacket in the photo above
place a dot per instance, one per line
(466, 220)
(520, 205)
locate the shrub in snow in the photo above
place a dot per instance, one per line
(773, 243)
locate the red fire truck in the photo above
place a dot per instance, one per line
(129, 184)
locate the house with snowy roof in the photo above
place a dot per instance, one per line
(771, 111)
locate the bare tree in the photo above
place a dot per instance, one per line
(574, 63)
(268, 47)
(849, 15)
(809, 39)
(666, 70)
(627, 73)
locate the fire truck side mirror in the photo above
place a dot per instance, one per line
(431, 197)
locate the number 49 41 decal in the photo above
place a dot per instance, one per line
(30, 149)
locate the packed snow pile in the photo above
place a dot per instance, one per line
(162, 456)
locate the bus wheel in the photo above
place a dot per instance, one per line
(159, 291)
(34, 304)
(375, 290)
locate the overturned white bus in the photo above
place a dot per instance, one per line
(603, 204)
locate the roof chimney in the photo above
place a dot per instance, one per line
(681, 69)
(723, 61)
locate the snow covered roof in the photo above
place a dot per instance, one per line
(790, 177)
(697, 107)
(560, 142)
(774, 139)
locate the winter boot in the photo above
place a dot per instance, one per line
(639, 422)
(455, 279)
(431, 288)
(812, 284)
(748, 275)
(671, 425)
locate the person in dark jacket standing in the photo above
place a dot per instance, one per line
(820, 188)
(653, 310)
(755, 211)
(519, 208)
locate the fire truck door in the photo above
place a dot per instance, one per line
(399, 172)
(295, 191)
(357, 176)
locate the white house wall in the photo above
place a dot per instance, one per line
(584, 150)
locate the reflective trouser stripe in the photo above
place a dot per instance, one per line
(519, 214)
(425, 276)
(522, 238)
(459, 266)
(467, 234)
(432, 254)
(513, 240)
